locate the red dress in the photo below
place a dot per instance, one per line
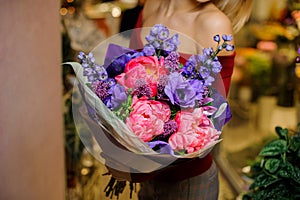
(185, 168)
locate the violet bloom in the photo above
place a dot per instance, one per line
(227, 38)
(189, 69)
(216, 66)
(118, 97)
(199, 88)
(180, 91)
(217, 38)
(168, 46)
(161, 147)
(229, 47)
(148, 50)
(156, 29)
(101, 72)
(159, 38)
(163, 33)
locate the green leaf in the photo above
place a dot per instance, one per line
(282, 133)
(272, 165)
(288, 171)
(274, 148)
(295, 143)
(263, 180)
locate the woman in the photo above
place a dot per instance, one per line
(200, 20)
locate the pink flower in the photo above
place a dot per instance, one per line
(147, 117)
(147, 68)
(195, 131)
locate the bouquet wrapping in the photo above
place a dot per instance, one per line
(147, 107)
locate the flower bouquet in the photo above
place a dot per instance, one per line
(148, 107)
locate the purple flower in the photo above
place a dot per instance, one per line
(101, 89)
(118, 96)
(227, 38)
(207, 52)
(142, 88)
(150, 38)
(168, 46)
(156, 29)
(209, 80)
(148, 50)
(217, 38)
(172, 61)
(88, 72)
(101, 72)
(161, 84)
(216, 66)
(180, 92)
(169, 127)
(229, 47)
(199, 87)
(159, 39)
(81, 55)
(163, 33)
(175, 40)
(161, 147)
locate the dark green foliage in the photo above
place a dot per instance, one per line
(276, 173)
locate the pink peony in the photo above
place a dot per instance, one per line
(195, 131)
(147, 117)
(147, 68)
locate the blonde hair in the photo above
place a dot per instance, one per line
(238, 11)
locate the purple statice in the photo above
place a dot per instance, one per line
(101, 89)
(142, 88)
(161, 83)
(118, 97)
(180, 91)
(172, 62)
(169, 128)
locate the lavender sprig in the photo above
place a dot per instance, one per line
(91, 70)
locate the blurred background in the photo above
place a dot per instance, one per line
(41, 154)
(264, 92)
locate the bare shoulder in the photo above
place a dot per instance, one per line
(209, 23)
(150, 7)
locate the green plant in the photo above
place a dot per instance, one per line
(276, 171)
